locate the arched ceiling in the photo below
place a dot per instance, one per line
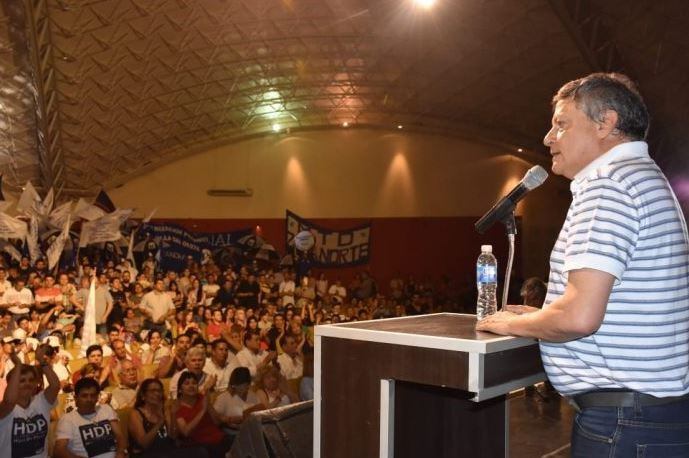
(96, 92)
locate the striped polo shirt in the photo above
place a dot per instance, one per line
(625, 220)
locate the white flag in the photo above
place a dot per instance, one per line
(105, 229)
(12, 228)
(47, 205)
(32, 240)
(7, 247)
(88, 332)
(29, 201)
(55, 249)
(87, 211)
(60, 214)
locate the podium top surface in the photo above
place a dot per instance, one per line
(446, 331)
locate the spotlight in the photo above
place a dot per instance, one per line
(520, 150)
(425, 4)
(276, 127)
(399, 126)
(345, 124)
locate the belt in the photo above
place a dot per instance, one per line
(620, 399)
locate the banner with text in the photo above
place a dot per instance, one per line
(333, 248)
(175, 243)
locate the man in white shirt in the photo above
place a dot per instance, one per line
(291, 360)
(337, 292)
(220, 364)
(18, 299)
(287, 289)
(251, 356)
(90, 430)
(158, 306)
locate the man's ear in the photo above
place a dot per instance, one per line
(608, 125)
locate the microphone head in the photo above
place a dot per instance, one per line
(534, 177)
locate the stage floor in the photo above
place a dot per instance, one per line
(539, 428)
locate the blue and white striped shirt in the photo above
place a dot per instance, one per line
(624, 219)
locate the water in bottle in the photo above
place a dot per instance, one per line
(486, 283)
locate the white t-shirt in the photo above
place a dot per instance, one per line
(222, 373)
(24, 432)
(289, 288)
(249, 359)
(289, 367)
(231, 405)
(89, 435)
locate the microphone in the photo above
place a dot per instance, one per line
(533, 178)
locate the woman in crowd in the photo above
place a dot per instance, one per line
(252, 324)
(196, 419)
(152, 430)
(24, 403)
(175, 294)
(187, 323)
(133, 323)
(271, 388)
(196, 296)
(156, 350)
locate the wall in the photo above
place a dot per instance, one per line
(422, 193)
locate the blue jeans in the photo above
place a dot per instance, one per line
(632, 432)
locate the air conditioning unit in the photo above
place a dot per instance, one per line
(242, 192)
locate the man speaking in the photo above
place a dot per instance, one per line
(614, 329)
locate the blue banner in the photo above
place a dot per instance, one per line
(173, 244)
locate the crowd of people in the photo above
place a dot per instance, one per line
(181, 358)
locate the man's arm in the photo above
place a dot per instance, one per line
(578, 313)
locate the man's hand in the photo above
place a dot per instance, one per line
(497, 323)
(519, 309)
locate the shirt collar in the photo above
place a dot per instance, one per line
(623, 150)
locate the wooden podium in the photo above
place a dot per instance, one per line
(420, 386)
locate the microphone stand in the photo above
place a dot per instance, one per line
(511, 231)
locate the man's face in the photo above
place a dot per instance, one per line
(86, 400)
(195, 364)
(160, 286)
(64, 279)
(119, 349)
(49, 282)
(128, 374)
(183, 343)
(254, 343)
(573, 140)
(220, 353)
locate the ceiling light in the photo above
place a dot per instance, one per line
(426, 4)
(520, 150)
(399, 126)
(276, 127)
(345, 124)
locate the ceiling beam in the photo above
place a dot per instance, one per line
(50, 155)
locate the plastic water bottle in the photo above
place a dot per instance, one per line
(486, 283)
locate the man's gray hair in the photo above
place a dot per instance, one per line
(599, 92)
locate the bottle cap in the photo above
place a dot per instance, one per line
(486, 248)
